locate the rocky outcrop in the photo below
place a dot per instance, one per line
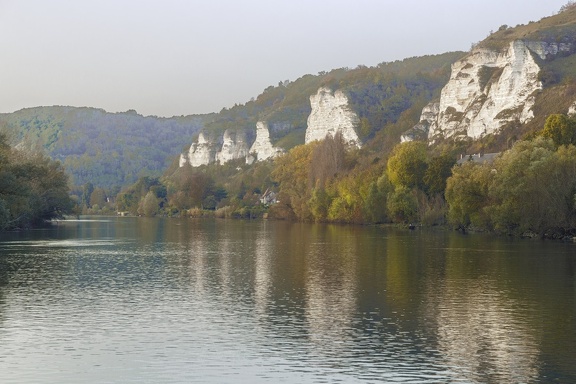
(331, 114)
(572, 109)
(200, 153)
(234, 146)
(488, 90)
(427, 120)
(231, 146)
(262, 149)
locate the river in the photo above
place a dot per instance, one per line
(156, 300)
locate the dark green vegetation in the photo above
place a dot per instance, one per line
(33, 188)
(528, 190)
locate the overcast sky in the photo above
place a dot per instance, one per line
(170, 57)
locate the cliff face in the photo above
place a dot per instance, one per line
(331, 114)
(487, 90)
(262, 148)
(231, 146)
(200, 153)
(234, 146)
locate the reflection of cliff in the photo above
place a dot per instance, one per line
(482, 333)
(262, 273)
(331, 289)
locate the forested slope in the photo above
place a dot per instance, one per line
(105, 149)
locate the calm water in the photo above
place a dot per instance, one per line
(133, 300)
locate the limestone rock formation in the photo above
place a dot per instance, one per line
(331, 114)
(231, 146)
(200, 153)
(487, 90)
(234, 146)
(262, 148)
(427, 121)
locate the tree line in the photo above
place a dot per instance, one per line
(529, 189)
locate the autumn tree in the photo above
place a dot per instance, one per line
(328, 159)
(407, 164)
(561, 129)
(533, 188)
(292, 173)
(467, 195)
(438, 171)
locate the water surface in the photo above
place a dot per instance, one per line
(135, 300)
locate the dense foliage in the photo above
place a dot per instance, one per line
(33, 188)
(529, 189)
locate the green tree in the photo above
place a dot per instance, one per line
(33, 188)
(98, 196)
(533, 188)
(375, 204)
(402, 205)
(407, 164)
(467, 195)
(149, 205)
(319, 204)
(438, 171)
(561, 129)
(87, 190)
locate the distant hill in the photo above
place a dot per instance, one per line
(106, 149)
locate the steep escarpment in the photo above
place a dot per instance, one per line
(231, 146)
(331, 114)
(486, 91)
(262, 148)
(498, 83)
(359, 103)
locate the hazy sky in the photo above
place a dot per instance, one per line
(170, 57)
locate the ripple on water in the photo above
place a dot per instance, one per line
(141, 310)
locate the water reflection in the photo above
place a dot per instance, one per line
(207, 300)
(481, 333)
(263, 253)
(331, 289)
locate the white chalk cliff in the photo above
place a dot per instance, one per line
(200, 153)
(262, 149)
(487, 90)
(234, 146)
(231, 146)
(331, 114)
(427, 119)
